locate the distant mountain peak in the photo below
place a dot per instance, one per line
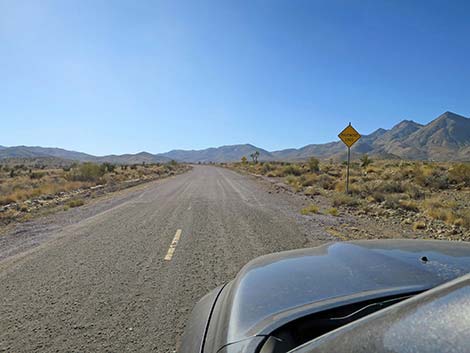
(450, 116)
(377, 133)
(406, 124)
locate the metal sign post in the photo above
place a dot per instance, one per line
(347, 173)
(349, 136)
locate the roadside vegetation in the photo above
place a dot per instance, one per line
(429, 196)
(25, 188)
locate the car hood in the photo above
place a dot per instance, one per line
(434, 321)
(277, 288)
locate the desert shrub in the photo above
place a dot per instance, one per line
(392, 201)
(108, 167)
(378, 196)
(310, 190)
(308, 179)
(294, 182)
(418, 174)
(443, 214)
(413, 191)
(409, 205)
(460, 173)
(370, 170)
(87, 172)
(297, 187)
(291, 179)
(313, 164)
(431, 176)
(390, 187)
(463, 218)
(437, 181)
(340, 186)
(419, 225)
(436, 208)
(432, 203)
(346, 200)
(309, 209)
(267, 167)
(333, 211)
(292, 169)
(5, 200)
(406, 173)
(75, 203)
(358, 189)
(37, 175)
(326, 182)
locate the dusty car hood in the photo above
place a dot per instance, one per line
(274, 289)
(434, 321)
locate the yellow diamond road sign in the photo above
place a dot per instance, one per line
(349, 136)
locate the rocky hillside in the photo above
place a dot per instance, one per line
(35, 151)
(28, 152)
(445, 138)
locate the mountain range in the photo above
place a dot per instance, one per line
(445, 138)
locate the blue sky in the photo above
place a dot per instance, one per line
(125, 76)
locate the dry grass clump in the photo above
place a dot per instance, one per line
(446, 211)
(75, 203)
(345, 200)
(291, 169)
(309, 209)
(419, 225)
(333, 211)
(390, 187)
(326, 182)
(308, 179)
(409, 205)
(392, 201)
(311, 191)
(463, 218)
(460, 173)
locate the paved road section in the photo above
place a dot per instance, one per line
(125, 279)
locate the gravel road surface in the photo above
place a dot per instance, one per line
(95, 280)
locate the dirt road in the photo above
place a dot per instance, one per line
(98, 281)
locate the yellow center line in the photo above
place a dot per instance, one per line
(173, 244)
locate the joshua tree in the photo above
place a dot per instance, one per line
(313, 164)
(255, 156)
(365, 161)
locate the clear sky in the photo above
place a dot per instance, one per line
(125, 76)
